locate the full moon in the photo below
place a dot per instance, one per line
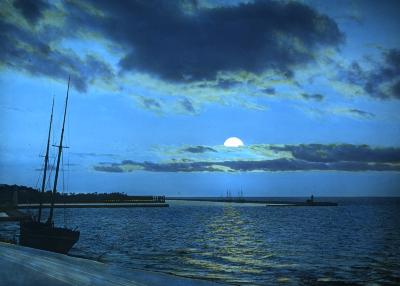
(233, 142)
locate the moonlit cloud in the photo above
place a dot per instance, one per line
(249, 37)
(199, 149)
(306, 157)
(230, 55)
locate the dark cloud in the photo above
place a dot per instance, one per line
(386, 72)
(342, 157)
(396, 89)
(150, 103)
(199, 149)
(30, 51)
(248, 166)
(162, 38)
(314, 96)
(269, 90)
(341, 152)
(361, 113)
(111, 169)
(165, 39)
(393, 60)
(187, 105)
(355, 74)
(392, 71)
(227, 83)
(31, 9)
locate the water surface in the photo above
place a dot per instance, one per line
(357, 242)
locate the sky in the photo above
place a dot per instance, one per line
(312, 88)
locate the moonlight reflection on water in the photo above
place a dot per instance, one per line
(356, 242)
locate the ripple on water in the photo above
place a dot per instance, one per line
(248, 245)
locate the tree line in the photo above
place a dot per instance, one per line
(28, 195)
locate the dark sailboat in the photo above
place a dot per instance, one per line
(44, 235)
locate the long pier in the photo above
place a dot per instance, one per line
(14, 214)
(268, 203)
(302, 204)
(95, 205)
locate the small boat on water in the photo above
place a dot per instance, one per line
(44, 235)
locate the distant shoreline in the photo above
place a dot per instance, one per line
(14, 194)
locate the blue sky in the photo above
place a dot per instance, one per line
(311, 87)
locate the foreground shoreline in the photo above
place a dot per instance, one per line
(27, 266)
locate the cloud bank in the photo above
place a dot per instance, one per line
(170, 40)
(165, 39)
(306, 157)
(30, 42)
(231, 55)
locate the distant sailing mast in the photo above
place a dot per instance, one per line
(44, 235)
(46, 160)
(60, 147)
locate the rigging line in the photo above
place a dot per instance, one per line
(68, 154)
(66, 168)
(68, 157)
(49, 176)
(39, 177)
(51, 172)
(51, 165)
(42, 148)
(62, 170)
(63, 184)
(53, 156)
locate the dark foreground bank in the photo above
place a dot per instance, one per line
(22, 266)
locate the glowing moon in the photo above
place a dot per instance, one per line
(233, 142)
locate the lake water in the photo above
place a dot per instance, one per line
(357, 242)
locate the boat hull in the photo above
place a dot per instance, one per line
(47, 237)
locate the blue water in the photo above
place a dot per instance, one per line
(357, 242)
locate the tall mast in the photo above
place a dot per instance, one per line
(50, 219)
(46, 160)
